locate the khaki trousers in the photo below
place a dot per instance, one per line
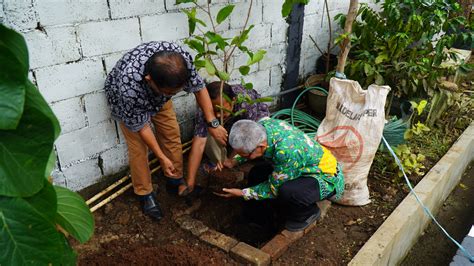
(169, 139)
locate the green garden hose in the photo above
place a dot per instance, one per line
(393, 131)
(298, 118)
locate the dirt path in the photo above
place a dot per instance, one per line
(456, 216)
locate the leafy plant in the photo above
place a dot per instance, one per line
(412, 162)
(215, 51)
(33, 212)
(418, 128)
(404, 44)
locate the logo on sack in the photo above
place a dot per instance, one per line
(345, 143)
(355, 116)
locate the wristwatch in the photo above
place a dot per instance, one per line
(214, 123)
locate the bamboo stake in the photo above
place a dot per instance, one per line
(346, 43)
(111, 197)
(109, 188)
(125, 188)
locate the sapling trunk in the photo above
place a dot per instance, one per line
(346, 43)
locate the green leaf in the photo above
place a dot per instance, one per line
(69, 256)
(211, 70)
(196, 45)
(13, 75)
(248, 86)
(421, 106)
(224, 13)
(381, 58)
(256, 57)
(244, 70)
(379, 79)
(223, 75)
(74, 215)
(368, 70)
(191, 19)
(44, 202)
(238, 40)
(200, 63)
(288, 6)
(26, 151)
(26, 235)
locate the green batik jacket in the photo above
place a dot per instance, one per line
(295, 154)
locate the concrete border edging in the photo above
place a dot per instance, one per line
(395, 237)
(241, 251)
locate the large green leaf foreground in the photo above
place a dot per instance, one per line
(28, 226)
(31, 208)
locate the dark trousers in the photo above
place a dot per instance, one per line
(296, 199)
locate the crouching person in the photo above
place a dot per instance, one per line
(300, 172)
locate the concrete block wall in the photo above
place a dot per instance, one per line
(74, 44)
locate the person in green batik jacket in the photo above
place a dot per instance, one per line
(299, 171)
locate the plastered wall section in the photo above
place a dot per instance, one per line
(74, 44)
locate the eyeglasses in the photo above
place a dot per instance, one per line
(250, 153)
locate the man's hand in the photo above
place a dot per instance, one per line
(219, 133)
(230, 192)
(168, 167)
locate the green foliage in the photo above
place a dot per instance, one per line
(30, 207)
(412, 162)
(14, 62)
(213, 50)
(211, 46)
(404, 44)
(418, 128)
(73, 214)
(419, 106)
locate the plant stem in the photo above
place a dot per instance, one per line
(315, 44)
(243, 29)
(330, 37)
(346, 43)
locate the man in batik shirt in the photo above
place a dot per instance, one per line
(202, 143)
(302, 171)
(138, 90)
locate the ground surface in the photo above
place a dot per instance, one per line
(124, 236)
(456, 216)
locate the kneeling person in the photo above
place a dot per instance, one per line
(302, 171)
(203, 143)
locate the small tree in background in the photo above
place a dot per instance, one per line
(34, 214)
(214, 51)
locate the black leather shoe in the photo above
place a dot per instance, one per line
(151, 207)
